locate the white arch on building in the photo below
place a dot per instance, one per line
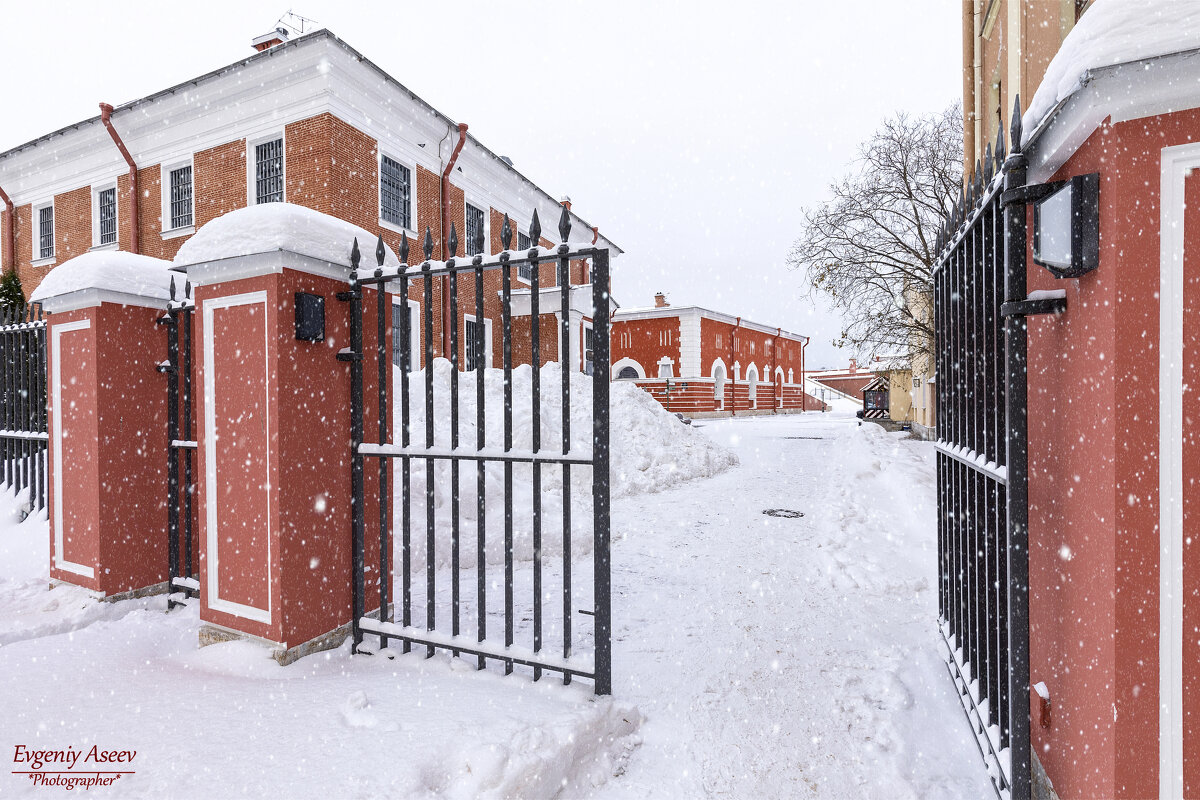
(628, 362)
(719, 373)
(752, 380)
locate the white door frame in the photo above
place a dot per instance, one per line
(1177, 163)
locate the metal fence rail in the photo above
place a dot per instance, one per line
(181, 571)
(23, 381)
(435, 633)
(982, 553)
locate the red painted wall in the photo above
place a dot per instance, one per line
(114, 486)
(1094, 484)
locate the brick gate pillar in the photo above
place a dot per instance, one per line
(108, 415)
(273, 428)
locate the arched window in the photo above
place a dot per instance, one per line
(719, 386)
(752, 379)
(627, 372)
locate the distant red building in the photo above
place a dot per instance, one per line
(705, 363)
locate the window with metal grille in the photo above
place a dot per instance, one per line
(181, 197)
(523, 245)
(395, 192)
(401, 322)
(474, 244)
(107, 200)
(46, 232)
(473, 348)
(268, 172)
(589, 342)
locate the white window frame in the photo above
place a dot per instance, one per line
(412, 191)
(487, 339)
(584, 327)
(97, 188)
(164, 184)
(252, 164)
(665, 363)
(414, 327)
(487, 224)
(36, 259)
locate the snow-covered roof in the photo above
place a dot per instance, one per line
(648, 312)
(1113, 32)
(108, 271)
(281, 226)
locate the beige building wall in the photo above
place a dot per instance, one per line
(1007, 45)
(900, 406)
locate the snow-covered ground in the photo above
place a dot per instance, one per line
(753, 656)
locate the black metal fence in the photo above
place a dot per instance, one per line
(979, 284)
(443, 618)
(181, 571)
(23, 382)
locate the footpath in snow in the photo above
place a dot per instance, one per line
(754, 656)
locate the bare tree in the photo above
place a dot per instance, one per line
(871, 247)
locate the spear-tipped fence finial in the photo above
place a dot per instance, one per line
(564, 224)
(452, 242)
(506, 233)
(535, 230)
(187, 289)
(172, 289)
(403, 248)
(479, 243)
(379, 251)
(988, 163)
(355, 255)
(428, 246)
(1014, 136)
(999, 147)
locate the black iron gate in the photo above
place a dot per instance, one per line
(587, 450)
(979, 289)
(23, 382)
(181, 571)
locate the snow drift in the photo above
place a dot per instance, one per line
(651, 451)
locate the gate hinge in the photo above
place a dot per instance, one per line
(1030, 193)
(1035, 304)
(166, 367)
(348, 355)
(346, 297)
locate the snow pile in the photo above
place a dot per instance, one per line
(651, 450)
(281, 226)
(109, 270)
(1114, 32)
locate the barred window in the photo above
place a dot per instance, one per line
(589, 345)
(46, 232)
(473, 348)
(402, 324)
(473, 245)
(395, 192)
(523, 245)
(108, 215)
(268, 172)
(181, 197)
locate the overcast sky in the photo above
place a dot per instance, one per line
(698, 130)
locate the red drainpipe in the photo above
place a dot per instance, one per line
(134, 243)
(462, 139)
(9, 231)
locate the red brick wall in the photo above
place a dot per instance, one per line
(644, 342)
(219, 180)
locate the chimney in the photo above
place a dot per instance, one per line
(853, 365)
(660, 300)
(269, 40)
(566, 201)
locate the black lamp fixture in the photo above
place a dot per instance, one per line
(1066, 226)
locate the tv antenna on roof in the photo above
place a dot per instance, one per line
(296, 23)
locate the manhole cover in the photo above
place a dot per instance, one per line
(786, 513)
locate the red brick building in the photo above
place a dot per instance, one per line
(705, 363)
(309, 121)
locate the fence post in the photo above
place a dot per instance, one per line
(600, 480)
(1016, 378)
